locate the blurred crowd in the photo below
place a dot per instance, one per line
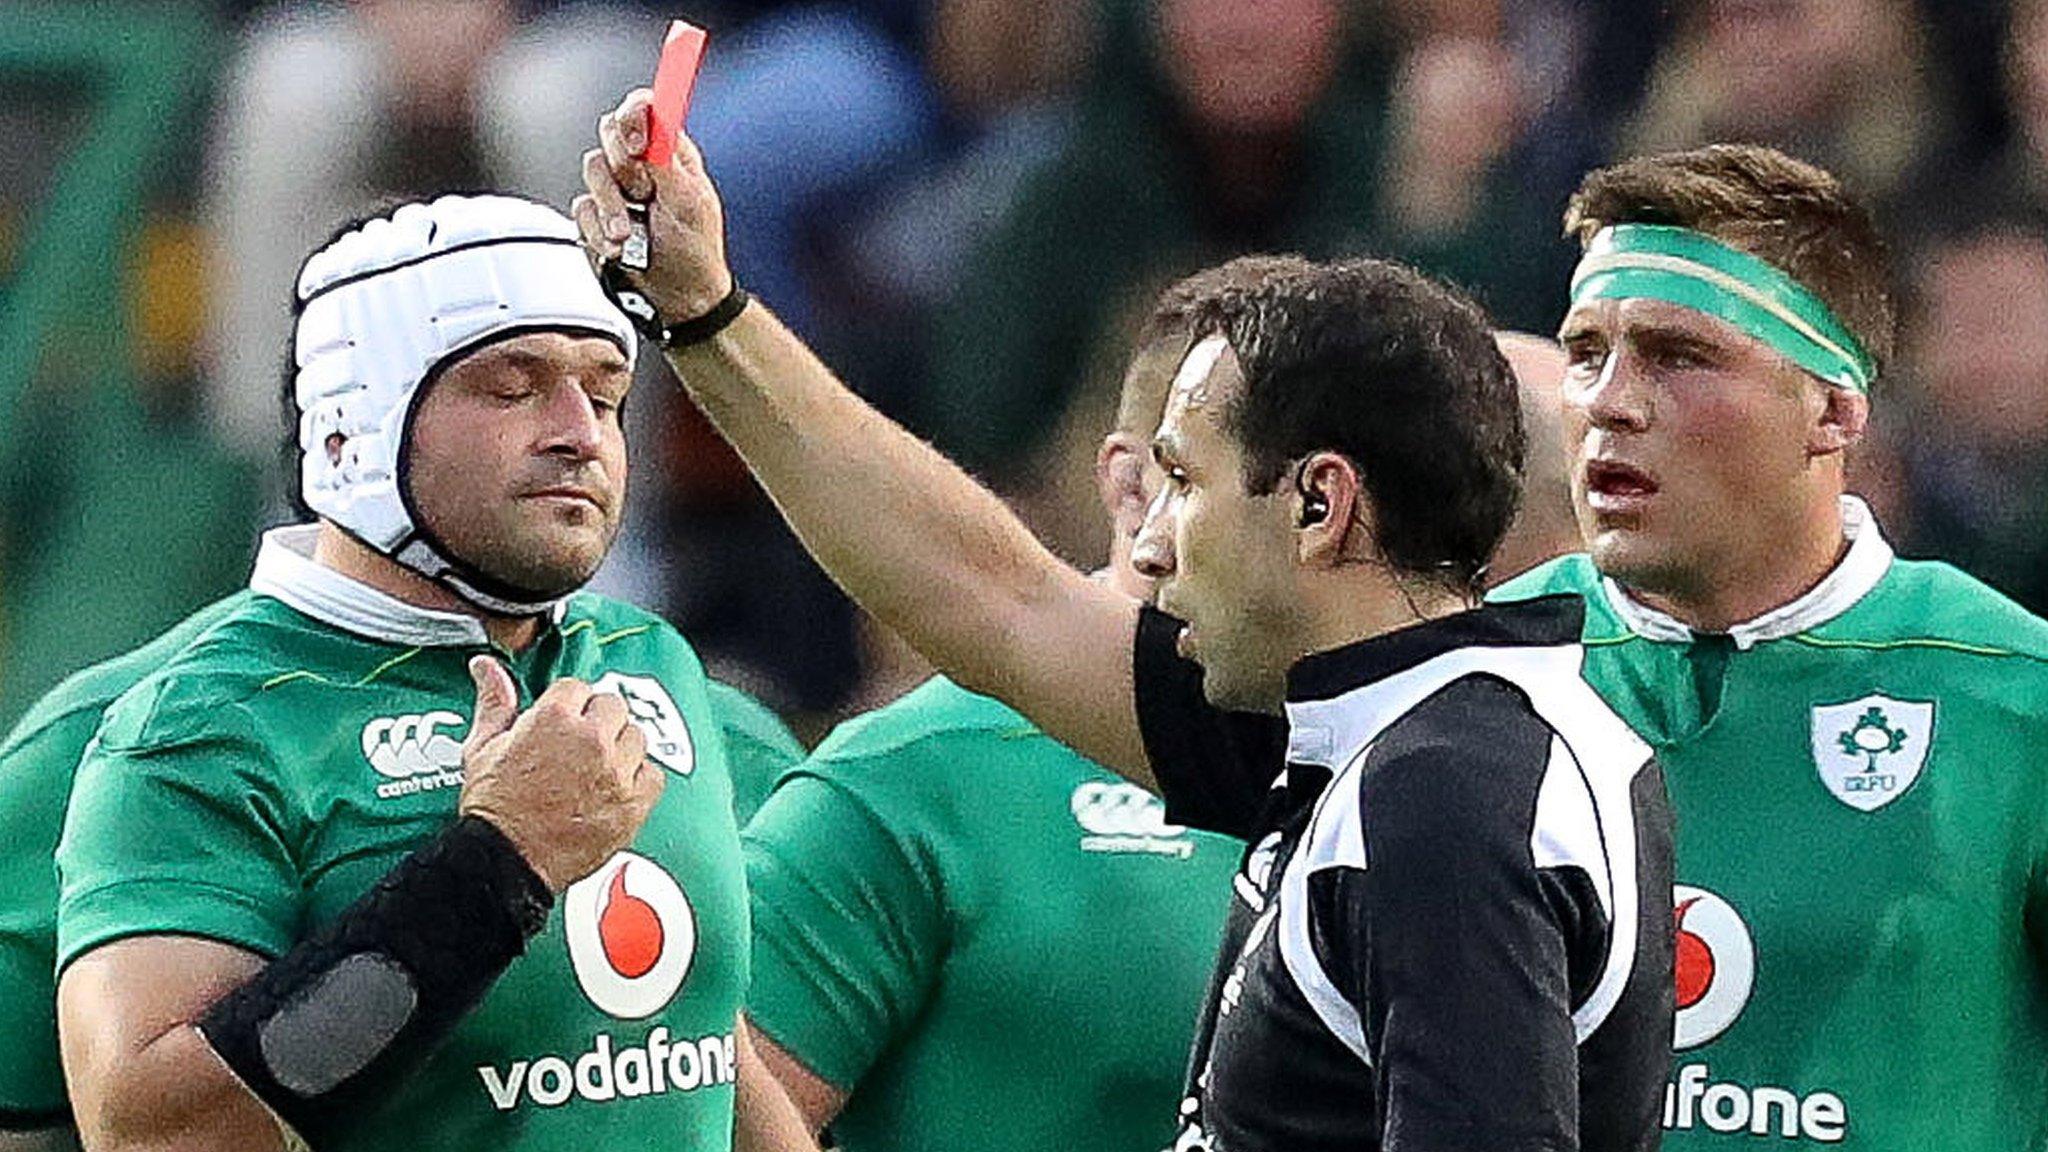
(966, 204)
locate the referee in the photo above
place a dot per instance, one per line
(1454, 924)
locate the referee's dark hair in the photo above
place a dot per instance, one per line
(1400, 374)
(1172, 321)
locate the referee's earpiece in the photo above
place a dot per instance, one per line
(1314, 507)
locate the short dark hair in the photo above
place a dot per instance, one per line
(1173, 318)
(290, 470)
(1781, 210)
(1181, 304)
(1400, 374)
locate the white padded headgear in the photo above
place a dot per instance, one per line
(386, 305)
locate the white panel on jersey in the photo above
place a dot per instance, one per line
(1589, 819)
(1335, 839)
(1567, 829)
(1607, 755)
(1571, 833)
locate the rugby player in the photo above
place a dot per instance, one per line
(1545, 527)
(1341, 449)
(37, 762)
(993, 909)
(416, 846)
(1855, 743)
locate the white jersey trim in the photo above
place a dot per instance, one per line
(1869, 558)
(1585, 811)
(1335, 839)
(287, 571)
(1584, 820)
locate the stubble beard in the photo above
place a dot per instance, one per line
(542, 563)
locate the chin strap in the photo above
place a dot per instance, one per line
(431, 562)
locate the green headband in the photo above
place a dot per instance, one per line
(1694, 270)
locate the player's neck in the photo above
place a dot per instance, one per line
(1765, 578)
(1362, 601)
(345, 554)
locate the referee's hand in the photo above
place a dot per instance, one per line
(686, 274)
(567, 781)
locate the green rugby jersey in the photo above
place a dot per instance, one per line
(1861, 785)
(37, 763)
(988, 941)
(268, 774)
(759, 746)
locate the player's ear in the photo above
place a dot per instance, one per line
(1840, 423)
(1120, 480)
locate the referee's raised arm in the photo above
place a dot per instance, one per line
(916, 540)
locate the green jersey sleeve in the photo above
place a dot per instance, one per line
(37, 765)
(177, 825)
(849, 927)
(759, 747)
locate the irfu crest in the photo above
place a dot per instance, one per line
(649, 704)
(1872, 736)
(1870, 751)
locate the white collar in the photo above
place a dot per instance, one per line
(286, 570)
(1869, 558)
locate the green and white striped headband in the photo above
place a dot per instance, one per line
(1694, 270)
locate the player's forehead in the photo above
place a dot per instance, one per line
(545, 355)
(1614, 321)
(1206, 373)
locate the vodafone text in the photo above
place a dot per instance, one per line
(651, 1068)
(1691, 1101)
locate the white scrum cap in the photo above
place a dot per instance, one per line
(384, 307)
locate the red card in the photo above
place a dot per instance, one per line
(674, 78)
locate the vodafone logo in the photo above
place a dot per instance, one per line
(632, 936)
(1716, 965)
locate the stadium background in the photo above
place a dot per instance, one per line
(964, 204)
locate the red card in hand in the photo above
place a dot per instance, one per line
(674, 78)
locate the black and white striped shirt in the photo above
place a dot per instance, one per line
(1453, 927)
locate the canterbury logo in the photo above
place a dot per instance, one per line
(1120, 810)
(1124, 818)
(414, 752)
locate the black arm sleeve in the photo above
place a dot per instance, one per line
(324, 1028)
(1214, 767)
(1455, 943)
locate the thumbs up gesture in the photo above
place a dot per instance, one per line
(567, 781)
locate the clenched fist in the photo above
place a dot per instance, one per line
(567, 781)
